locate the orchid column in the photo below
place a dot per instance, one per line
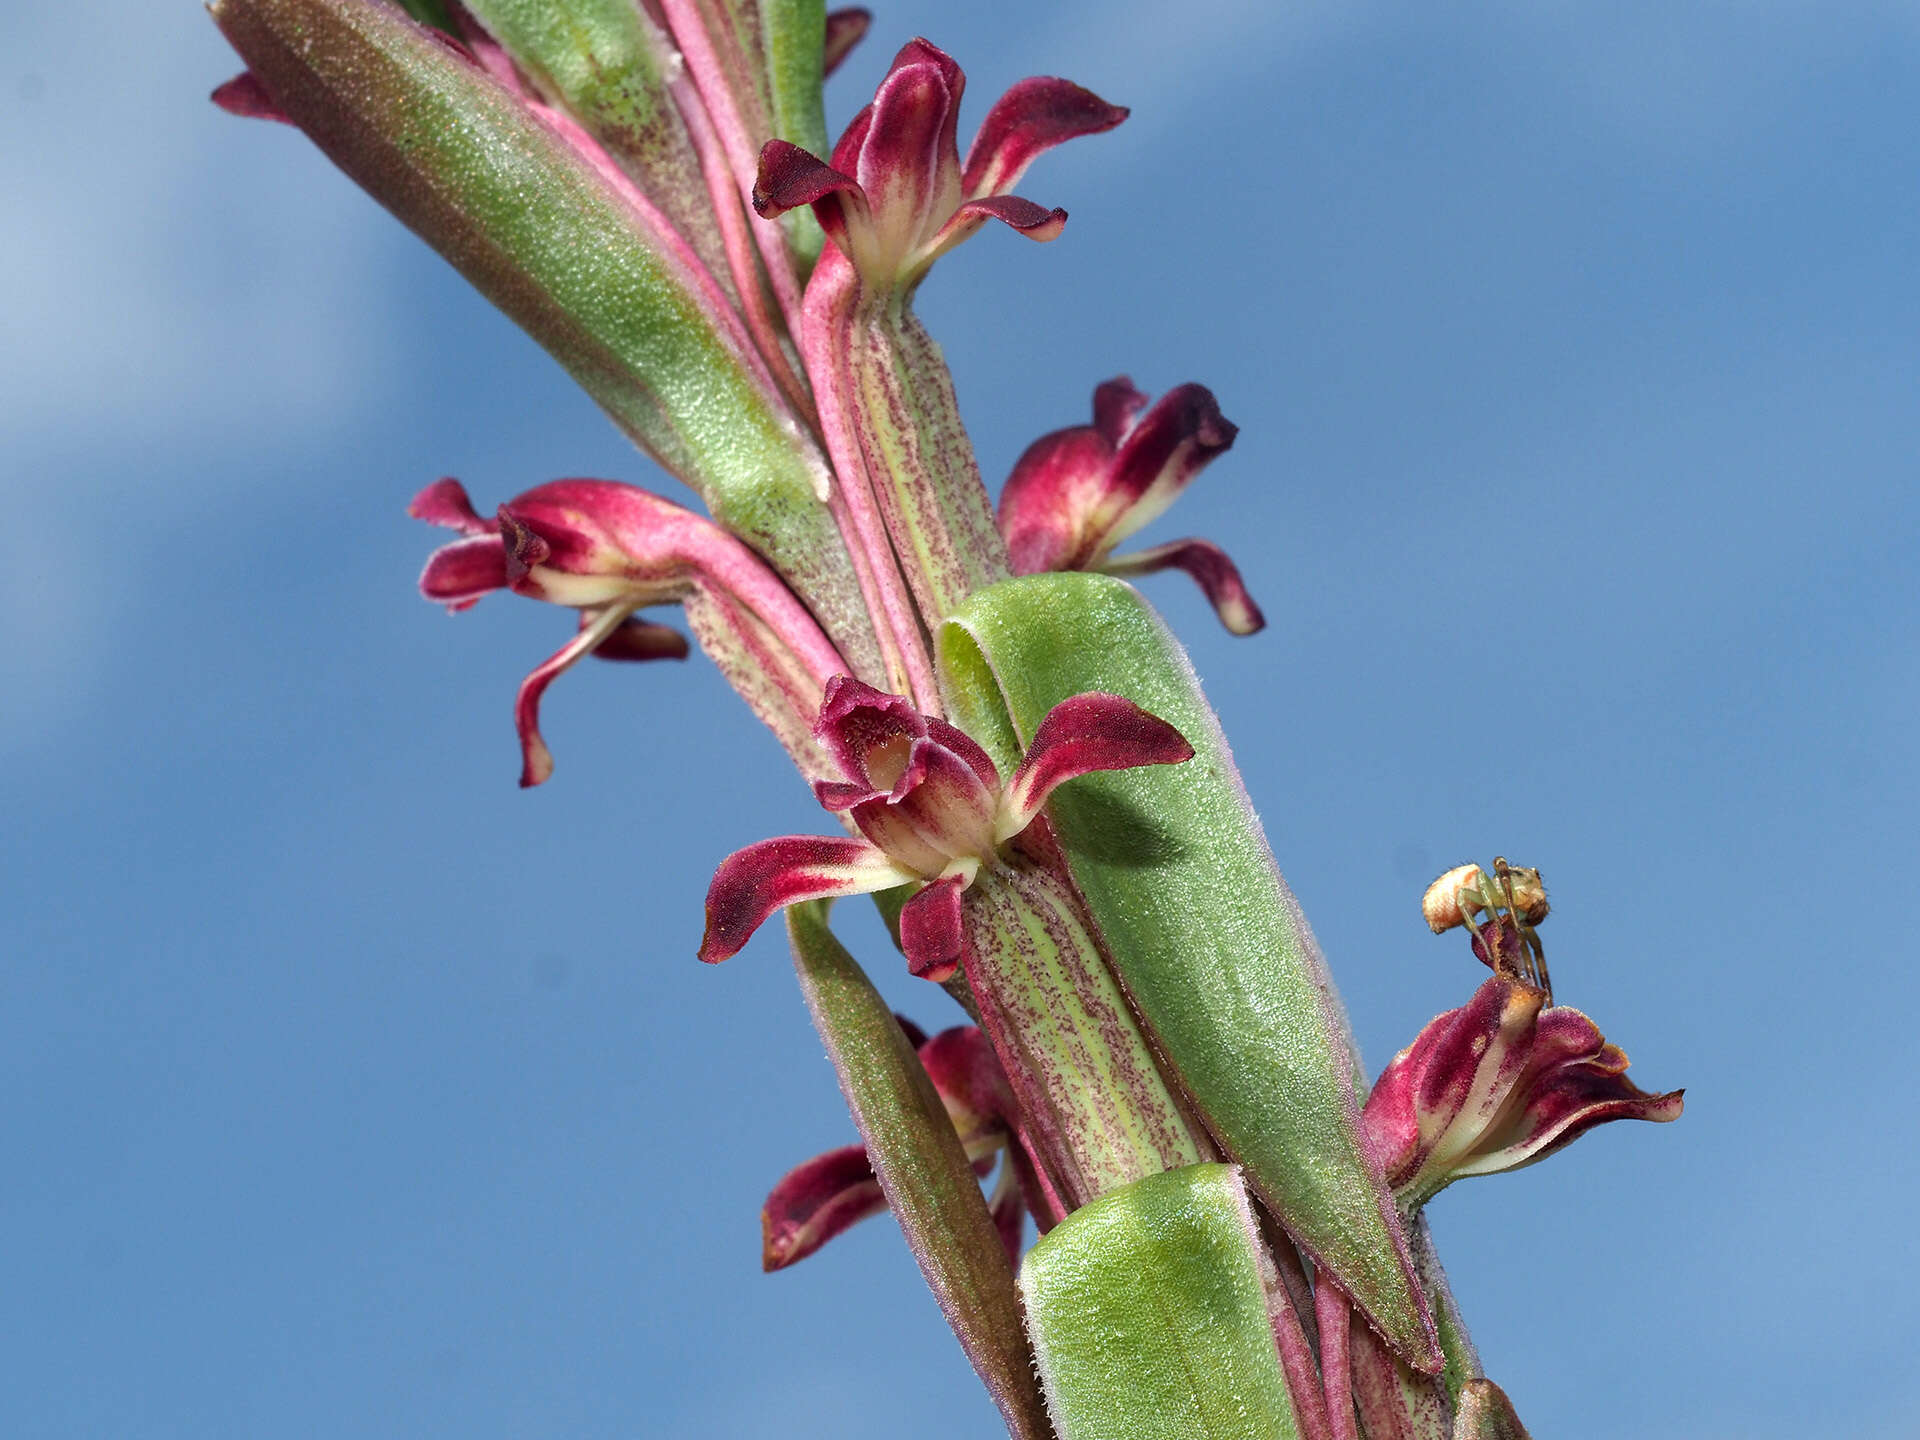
(1022, 768)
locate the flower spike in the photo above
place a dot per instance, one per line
(896, 196)
(932, 808)
(1077, 493)
(608, 550)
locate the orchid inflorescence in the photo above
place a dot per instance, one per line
(1026, 774)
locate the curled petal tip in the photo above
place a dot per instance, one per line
(816, 1201)
(536, 762)
(845, 29)
(1216, 575)
(1036, 222)
(445, 502)
(790, 177)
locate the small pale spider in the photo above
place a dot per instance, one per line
(1467, 891)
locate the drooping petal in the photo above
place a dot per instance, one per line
(816, 1201)
(753, 883)
(1086, 733)
(246, 97)
(965, 1071)
(590, 544)
(1026, 122)
(457, 575)
(931, 932)
(1036, 222)
(1217, 576)
(536, 761)
(845, 29)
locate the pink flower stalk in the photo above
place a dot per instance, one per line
(932, 809)
(607, 550)
(1077, 493)
(831, 1193)
(896, 196)
(1495, 1085)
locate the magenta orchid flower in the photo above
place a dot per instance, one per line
(1077, 493)
(607, 550)
(896, 196)
(1495, 1085)
(831, 1193)
(932, 809)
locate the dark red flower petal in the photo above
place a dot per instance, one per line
(753, 883)
(814, 1202)
(1217, 576)
(1025, 123)
(930, 930)
(1089, 732)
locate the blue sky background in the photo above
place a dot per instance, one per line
(347, 1090)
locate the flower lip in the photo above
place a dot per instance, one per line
(881, 743)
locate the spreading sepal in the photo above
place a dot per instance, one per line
(845, 29)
